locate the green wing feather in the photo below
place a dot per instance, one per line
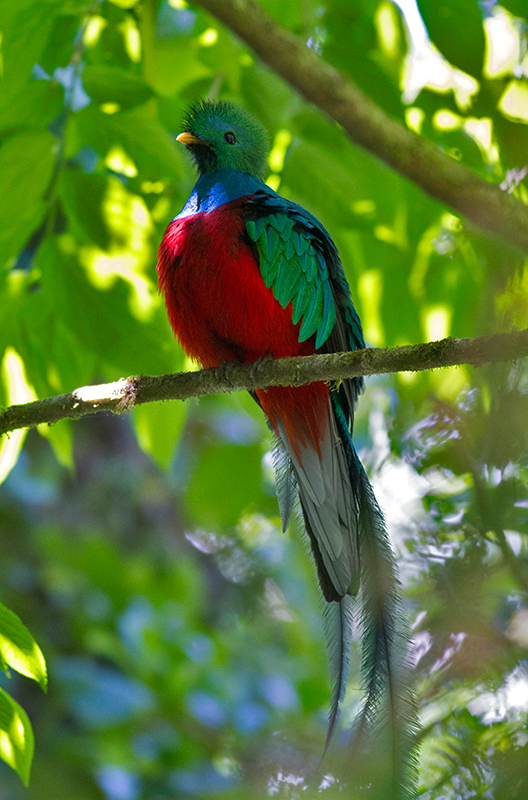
(296, 271)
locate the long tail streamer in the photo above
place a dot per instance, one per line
(383, 735)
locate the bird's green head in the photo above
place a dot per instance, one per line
(222, 135)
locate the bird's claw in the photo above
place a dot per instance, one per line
(256, 365)
(227, 368)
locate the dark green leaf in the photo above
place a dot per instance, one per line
(369, 71)
(455, 27)
(82, 197)
(113, 85)
(516, 7)
(61, 43)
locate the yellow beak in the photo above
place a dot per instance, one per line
(189, 138)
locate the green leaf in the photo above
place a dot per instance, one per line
(82, 197)
(455, 27)
(167, 80)
(10, 448)
(19, 649)
(16, 391)
(61, 43)
(26, 165)
(25, 29)
(226, 482)
(60, 438)
(16, 736)
(125, 3)
(158, 428)
(37, 104)
(139, 132)
(100, 324)
(112, 84)
(516, 7)
(343, 51)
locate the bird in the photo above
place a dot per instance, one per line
(248, 274)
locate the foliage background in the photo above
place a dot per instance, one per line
(180, 626)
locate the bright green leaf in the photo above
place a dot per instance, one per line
(16, 391)
(60, 438)
(125, 3)
(158, 428)
(19, 649)
(16, 736)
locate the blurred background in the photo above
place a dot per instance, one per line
(180, 626)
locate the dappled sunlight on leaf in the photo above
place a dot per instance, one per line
(510, 699)
(512, 304)
(370, 289)
(16, 736)
(445, 120)
(118, 161)
(131, 38)
(514, 101)
(280, 144)
(19, 650)
(128, 256)
(481, 131)
(93, 29)
(17, 390)
(503, 44)
(517, 630)
(389, 31)
(437, 322)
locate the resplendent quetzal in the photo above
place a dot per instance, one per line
(247, 274)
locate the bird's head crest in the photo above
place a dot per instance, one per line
(222, 135)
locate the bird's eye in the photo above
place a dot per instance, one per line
(230, 137)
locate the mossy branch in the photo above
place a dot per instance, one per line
(123, 395)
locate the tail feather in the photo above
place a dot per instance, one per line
(337, 620)
(384, 731)
(351, 549)
(285, 483)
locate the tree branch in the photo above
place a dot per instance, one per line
(366, 124)
(121, 396)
